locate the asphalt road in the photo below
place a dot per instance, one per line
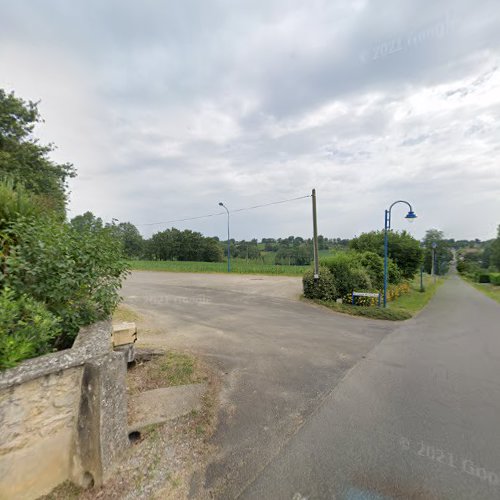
(419, 418)
(279, 359)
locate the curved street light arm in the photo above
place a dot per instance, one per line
(388, 212)
(401, 201)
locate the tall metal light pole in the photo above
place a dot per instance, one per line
(228, 240)
(387, 225)
(433, 263)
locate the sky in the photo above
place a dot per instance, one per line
(167, 108)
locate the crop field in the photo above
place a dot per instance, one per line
(240, 266)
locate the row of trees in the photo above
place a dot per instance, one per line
(173, 244)
(481, 258)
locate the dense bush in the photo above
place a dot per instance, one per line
(404, 250)
(345, 272)
(323, 288)
(75, 273)
(27, 328)
(53, 278)
(374, 265)
(483, 278)
(495, 279)
(341, 266)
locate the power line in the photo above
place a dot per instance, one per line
(269, 204)
(224, 213)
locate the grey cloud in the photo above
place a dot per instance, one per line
(198, 100)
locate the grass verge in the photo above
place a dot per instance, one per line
(402, 308)
(488, 289)
(169, 370)
(238, 266)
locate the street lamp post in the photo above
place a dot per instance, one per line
(433, 263)
(387, 225)
(228, 239)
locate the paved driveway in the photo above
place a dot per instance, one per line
(280, 358)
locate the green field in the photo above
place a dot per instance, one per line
(239, 266)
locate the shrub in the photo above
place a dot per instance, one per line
(15, 202)
(394, 274)
(360, 280)
(348, 273)
(76, 274)
(27, 328)
(495, 279)
(341, 266)
(483, 278)
(323, 289)
(374, 265)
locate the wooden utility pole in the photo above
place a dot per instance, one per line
(315, 236)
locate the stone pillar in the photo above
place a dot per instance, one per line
(101, 435)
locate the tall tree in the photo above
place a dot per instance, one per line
(24, 159)
(131, 238)
(87, 222)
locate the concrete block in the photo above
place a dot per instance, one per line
(124, 333)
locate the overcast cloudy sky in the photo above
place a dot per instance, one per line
(167, 108)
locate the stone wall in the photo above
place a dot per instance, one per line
(63, 416)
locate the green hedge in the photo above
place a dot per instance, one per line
(345, 272)
(323, 288)
(495, 279)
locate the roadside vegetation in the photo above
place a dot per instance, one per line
(361, 269)
(489, 289)
(56, 276)
(479, 264)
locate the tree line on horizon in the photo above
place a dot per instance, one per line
(187, 245)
